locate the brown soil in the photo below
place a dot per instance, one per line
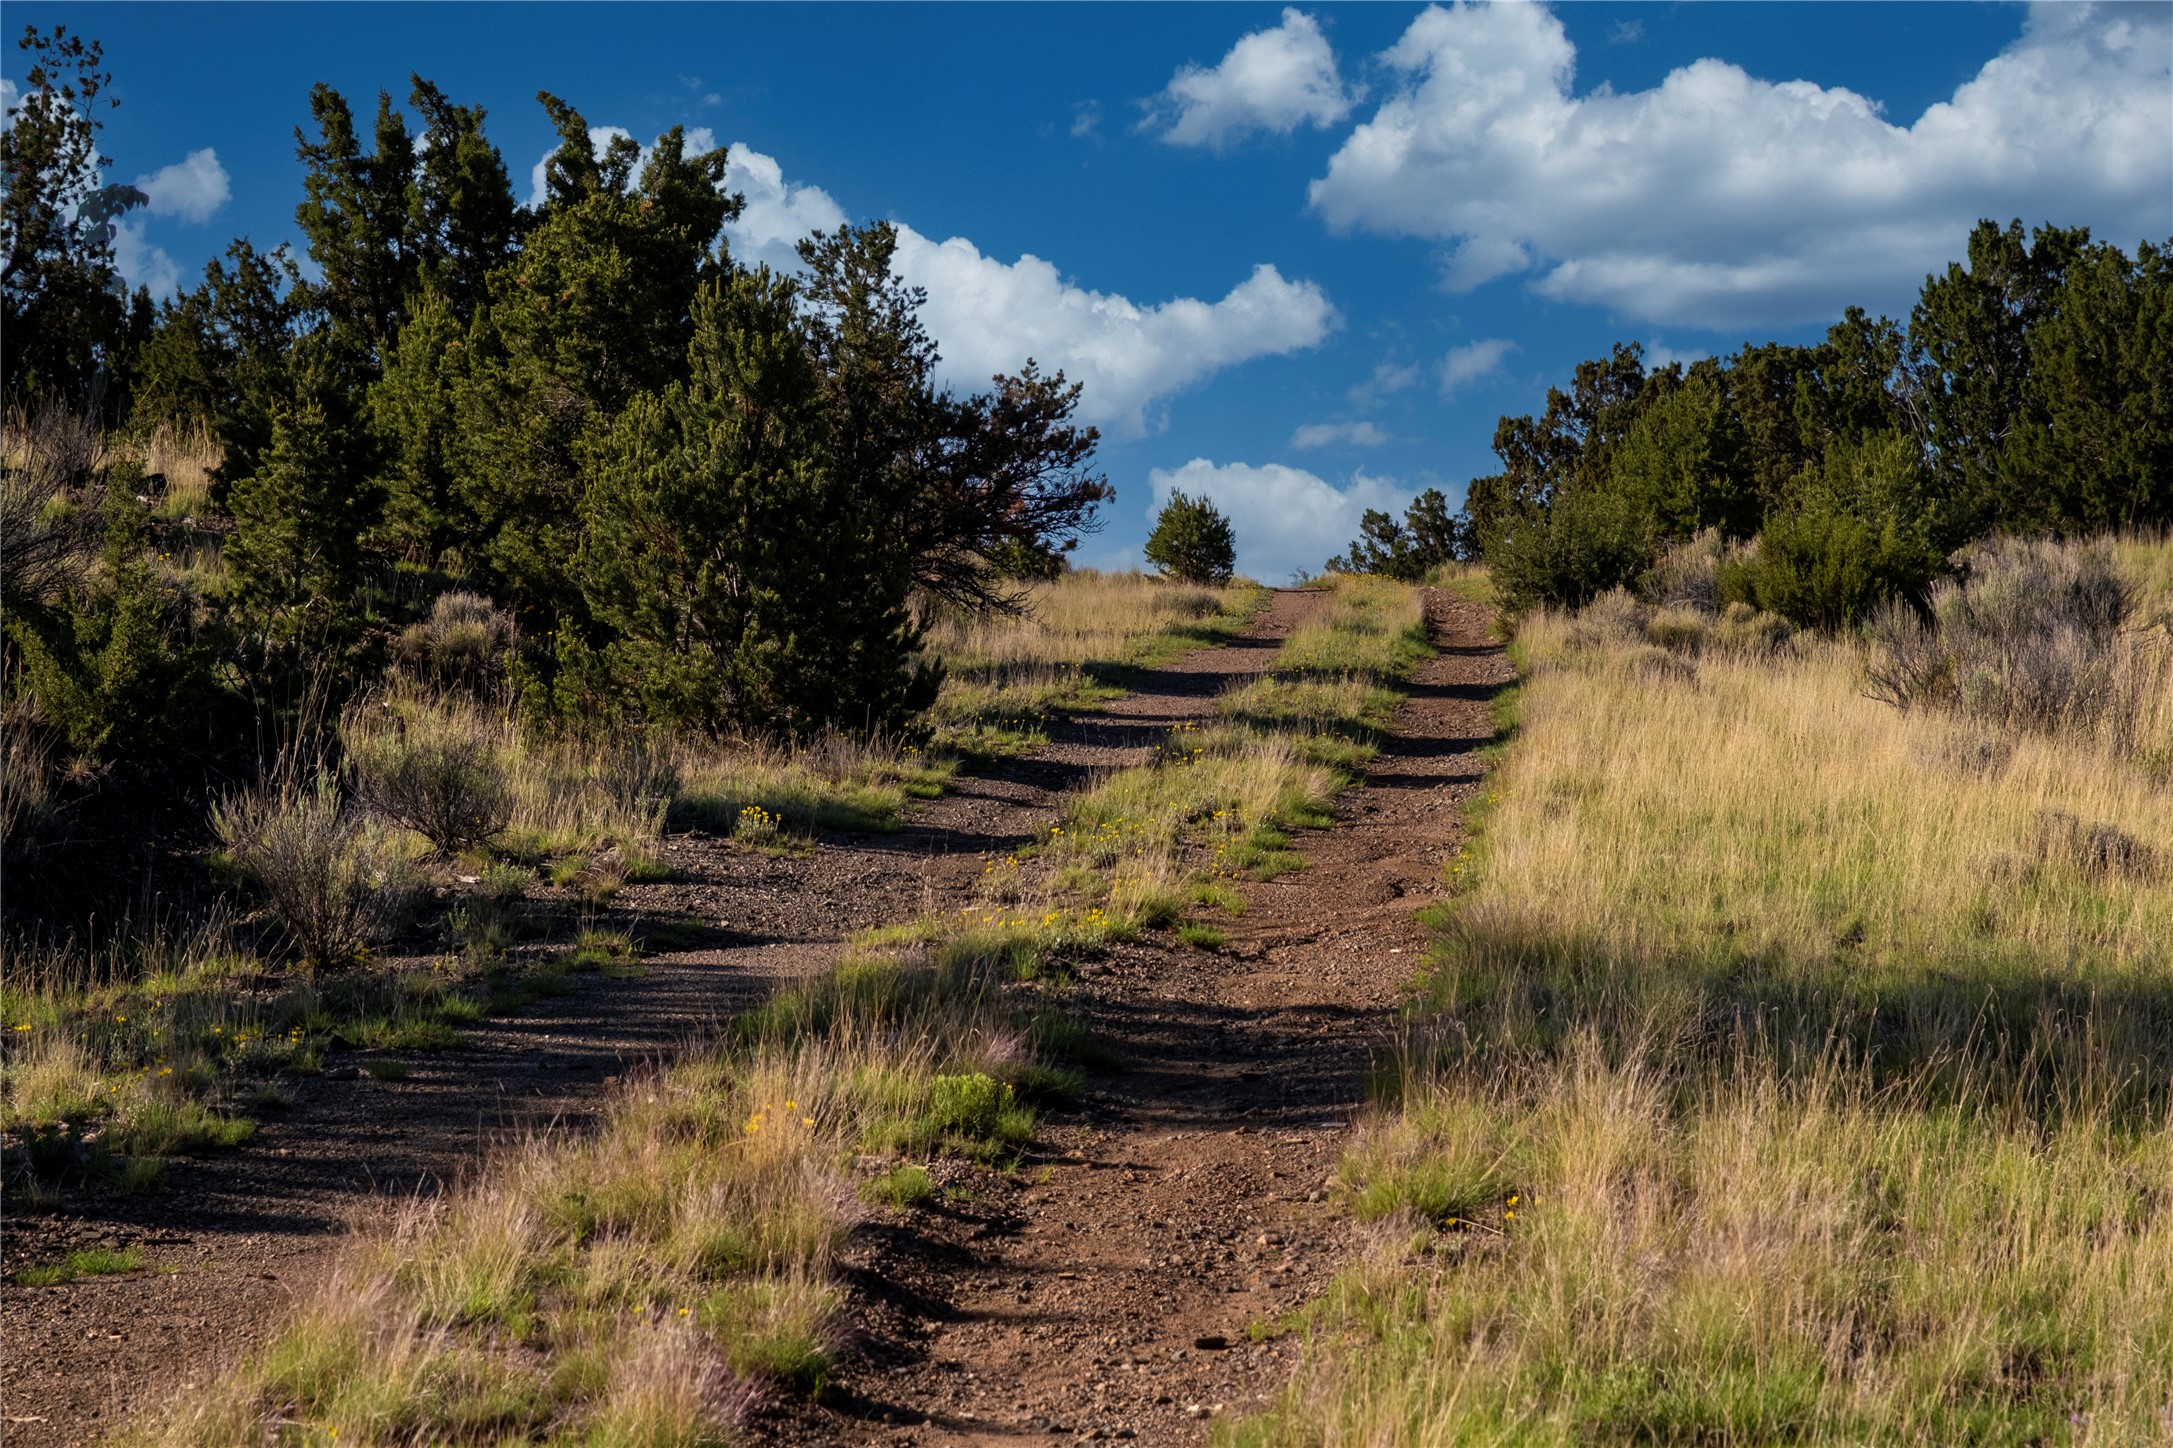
(1104, 1289)
(1184, 1200)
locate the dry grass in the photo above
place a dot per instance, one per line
(1793, 1069)
(1081, 635)
(184, 459)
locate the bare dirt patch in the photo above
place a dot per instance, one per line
(1105, 1289)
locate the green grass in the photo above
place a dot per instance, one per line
(387, 1069)
(1201, 937)
(89, 1262)
(905, 1185)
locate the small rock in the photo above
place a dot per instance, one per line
(1195, 1410)
(1211, 1341)
(341, 1073)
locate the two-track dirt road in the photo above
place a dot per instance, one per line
(1183, 1202)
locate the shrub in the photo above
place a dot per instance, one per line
(1582, 544)
(2038, 635)
(1829, 570)
(466, 642)
(333, 885)
(1192, 542)
(439, 773)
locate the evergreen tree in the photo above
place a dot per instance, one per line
(64, 312)
(1192, 541)
(738, 577)
(2096, 440)
(359, 216)
(466, 222)
(1427, 537)
(595, 308)
(1969, 340)
(414, 415)
(296, 560)
(969, 485)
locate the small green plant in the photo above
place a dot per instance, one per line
(1200, 937)
(386, 1068)
(903, 1186)
(89, 1262)
(758, 827)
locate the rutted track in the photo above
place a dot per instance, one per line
(1187, 1200)
(247, 1232)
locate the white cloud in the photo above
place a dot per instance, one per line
(193, 188)
(1285, 519)
(989, 316)
(777, 213)
(1272, 80)
(142, 264)
(1389, 377)
(1328, 434)
(1086, 119)
(1719, 199)
(1472, 362)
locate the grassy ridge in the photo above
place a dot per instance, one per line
(1792, 1069)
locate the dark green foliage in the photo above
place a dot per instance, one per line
(1192, 541)
(980, 490)
(65, 317)
(414, 412)
(356, 216)
(595, 308)
(1427, 537)
(2097, 443)
(1865, 530)
(1684, 465)
(119, 665)
(1588, 541)
(220, 354)
(743, 579)
(296, 561)
(1970, 335)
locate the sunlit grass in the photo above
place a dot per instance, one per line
(1076, 645)
(1786, 1073)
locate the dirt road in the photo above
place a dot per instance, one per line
(234, 1239)
(1104, 1290)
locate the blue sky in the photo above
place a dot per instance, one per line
(1301, 257)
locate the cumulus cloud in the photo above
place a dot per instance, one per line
(1720, 199)
(1285, 519)
(989, 316)
(193, 188)
(1473, 362)
(1272, 80)
(141, 262)
(777, 213)
(1329, 434)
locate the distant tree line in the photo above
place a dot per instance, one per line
(2031, 391)
(707, 493)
